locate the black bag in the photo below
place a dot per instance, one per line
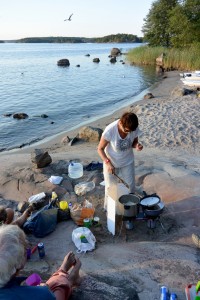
(63, 215)
(42, 222)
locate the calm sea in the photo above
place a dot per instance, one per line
(32, 83)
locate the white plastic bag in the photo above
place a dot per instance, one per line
(83, 239)
(83, 187)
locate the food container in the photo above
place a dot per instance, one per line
(131, 204)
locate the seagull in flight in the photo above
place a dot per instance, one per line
(69, 19)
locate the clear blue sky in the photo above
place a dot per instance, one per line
(91, 18)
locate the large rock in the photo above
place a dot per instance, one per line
(179, 92)
(115, 52)
(160, 60)
(90, 134)
(41, 158)
(96, 60)
(113, 60)
(20, 116)
(63, 62)
(148, 96)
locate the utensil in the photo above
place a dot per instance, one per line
(122, 181)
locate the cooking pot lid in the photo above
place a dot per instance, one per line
(150, 201)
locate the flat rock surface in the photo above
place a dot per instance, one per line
(133, 263)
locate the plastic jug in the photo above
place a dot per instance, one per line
(75, 170)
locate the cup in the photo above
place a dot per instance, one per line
(63, 205)
(33, 280)
(96, 221)
(86, 223)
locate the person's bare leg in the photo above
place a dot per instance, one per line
(68, 262)
(74, 277)
(10, 215)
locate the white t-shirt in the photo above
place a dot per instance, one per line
(119, 150)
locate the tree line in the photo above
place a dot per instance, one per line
(113, 38)
(173, 23)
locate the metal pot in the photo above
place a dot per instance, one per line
(131, 204)
(149, 200)
(154, 211)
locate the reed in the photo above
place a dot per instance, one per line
(179, 59)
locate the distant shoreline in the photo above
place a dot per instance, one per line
(113, 38)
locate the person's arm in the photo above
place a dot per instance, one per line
(22, 219)
(101, 151)
(137, 145)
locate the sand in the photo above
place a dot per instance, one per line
(142, 259)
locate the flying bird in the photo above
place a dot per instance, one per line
(69, 19)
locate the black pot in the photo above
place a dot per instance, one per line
(150, 197)
(154, 211)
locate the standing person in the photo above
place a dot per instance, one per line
(116, 150)
(13, 246)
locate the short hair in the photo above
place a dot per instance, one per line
(3, 214)
(13, 245)
(129, 120)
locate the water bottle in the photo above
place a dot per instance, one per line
(75, 170)
(164, 293)
(70, 205)
(173, 296)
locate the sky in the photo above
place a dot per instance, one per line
(91, 18)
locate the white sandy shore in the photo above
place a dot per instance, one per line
(168, 165)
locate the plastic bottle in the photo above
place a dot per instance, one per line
(70, 205)
(75, 170)
(164, 293)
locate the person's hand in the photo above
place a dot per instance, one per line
(111, 168)
(139, 147)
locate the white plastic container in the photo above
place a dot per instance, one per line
(75, 170)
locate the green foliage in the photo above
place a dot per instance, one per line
(174, 58)
(114, 38)
(173, 23)
(119, 38)
(156, 24)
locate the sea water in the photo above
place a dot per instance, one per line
(32, 83)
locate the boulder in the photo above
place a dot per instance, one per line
(20, 116)
(113, 60)
(41, 158)
(115, 52)
(160, 60)
(90, 134)
(63, 62)
(179, 92)
(148, 96)
(96, 60)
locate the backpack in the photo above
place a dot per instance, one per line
(42, 222)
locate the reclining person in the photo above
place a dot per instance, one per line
(13, 246)
(7, 216)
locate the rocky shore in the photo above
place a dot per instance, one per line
(133, 263)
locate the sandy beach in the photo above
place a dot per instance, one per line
(141, 260)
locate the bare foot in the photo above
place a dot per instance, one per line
(74, 277)
(68, 261)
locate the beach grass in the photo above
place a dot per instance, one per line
(179, 59)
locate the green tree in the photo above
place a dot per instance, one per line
(156, 24)
(179, 28)
(192, 11)
(184, 26)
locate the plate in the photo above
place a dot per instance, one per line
(150, 201)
